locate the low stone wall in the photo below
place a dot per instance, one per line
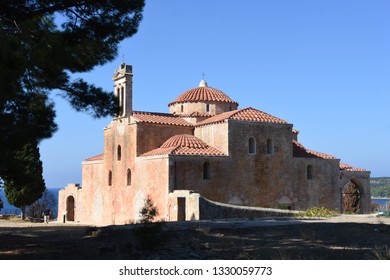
(210, 210)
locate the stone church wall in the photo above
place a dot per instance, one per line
(194, 206)
(210, 210)
(152, 136)
(317, 189)
(153, 181)
(215, 136)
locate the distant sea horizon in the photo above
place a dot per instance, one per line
(10, 209)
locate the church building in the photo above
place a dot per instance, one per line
(204, 159)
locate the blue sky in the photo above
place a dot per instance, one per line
(323, 66)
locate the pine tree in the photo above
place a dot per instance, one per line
(43, 45)
(23, 190)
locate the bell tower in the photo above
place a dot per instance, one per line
(123, 89)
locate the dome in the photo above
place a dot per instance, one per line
(203, 93)
(184, 140)
(185, 144)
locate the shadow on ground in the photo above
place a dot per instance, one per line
(298, 241)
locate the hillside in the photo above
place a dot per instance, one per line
(380, 186)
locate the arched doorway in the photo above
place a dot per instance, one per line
(285, 202)
(351, 198)
(70, 208)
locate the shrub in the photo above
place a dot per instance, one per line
(320, 212)
(149, 211)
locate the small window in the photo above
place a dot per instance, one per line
(122, 101)
(252, 145)
(128, 176)
(119, 100)
(206, 171)
(182, 108)
(207, 108)
(110, 178)
(119, 153)
(270, 146)
(309, 172)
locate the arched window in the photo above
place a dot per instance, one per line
(206, 171)
(309, 172)
(128, 177)
(182, 108)
(252, 145)
(207, 108)
(119, 153)
(110, 178)
(270, 146)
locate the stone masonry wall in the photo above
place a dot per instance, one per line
(152, 136)
(210, 210)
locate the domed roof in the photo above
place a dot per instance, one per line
(185, 144)
(203, 93)
(184, 140)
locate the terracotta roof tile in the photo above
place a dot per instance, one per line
(203, 93)
(246, 114)
(300, 151)
(344, 166)
(160, 118)
(97, 157)
(195, 114)
(185, 144)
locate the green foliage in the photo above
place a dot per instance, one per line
(24, 119)
(319, 212)
(43, 44)
(380, 187)
(381, 191)
(23, 190)
(149, 211)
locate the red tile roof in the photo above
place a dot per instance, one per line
(160, 118)
(203, 93)
(344, 166)
(195, 114)
(246, 114)
(185, 144)
(300, 151)
(98, 157)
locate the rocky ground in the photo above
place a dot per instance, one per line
(348, 237)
